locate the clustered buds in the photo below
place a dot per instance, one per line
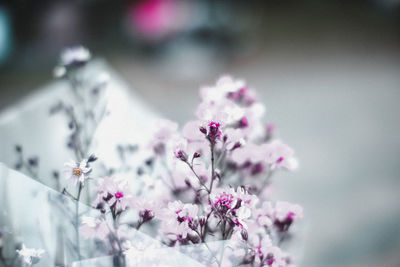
(213, 133)
(146, 215)
(180, 154)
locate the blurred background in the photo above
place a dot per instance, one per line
(328, 71)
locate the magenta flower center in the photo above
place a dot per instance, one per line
(224, 200)
(243, 122)
(119, 195)
(279, 160)
(270, 261)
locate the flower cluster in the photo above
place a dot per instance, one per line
(204, 182)
(180, 221)
(218, 169)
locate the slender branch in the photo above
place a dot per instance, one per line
(199, 178)
(212, 166)
(209, 249)
(77, 221)
(65, 192)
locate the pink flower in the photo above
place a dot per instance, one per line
(93, 228)
(285, 214)
(189, 149)
(220, 91)
(154, 19)
(165, 132)
(214, 131)
(264, 215)
(146, 206)
(166, 129)
(243, 96)
(249, 153)
(266, 253)
(280, 156)
(235, 205)
(115, 192)
(191, 131)
(179, 220)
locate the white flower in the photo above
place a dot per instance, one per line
(75, 55)
(29, 255)
(77, 172)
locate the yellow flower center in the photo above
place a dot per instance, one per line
(77, 171)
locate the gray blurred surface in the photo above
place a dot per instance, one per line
(332, 87)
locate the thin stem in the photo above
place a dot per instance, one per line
(223, 229)
(140, 223)
(65, 192)
(197, 176)
(77, 221)
(212, 167)
(221, 156)
(209, 249)
(120, 254)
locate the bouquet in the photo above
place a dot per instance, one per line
(200, 193)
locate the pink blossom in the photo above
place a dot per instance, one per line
(154, 18)
(191, 131)
(93, 228)
(164, 133)
(285, 209)
(236, 205)
(280, 156)
(179, 219)
(166, 129)
(114, 192)
(264, 215)
(221, 89)
(143, 203)
(249, 153)
(266, 253)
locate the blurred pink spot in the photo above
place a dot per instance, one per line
(153, 18)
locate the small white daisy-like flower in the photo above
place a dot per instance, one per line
(30, 256)
(75, 56)
(77, 172)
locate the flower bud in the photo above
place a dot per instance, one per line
(202, 221)
(146, 215)
(203, 130)
(244, 235)
(196, 155)
(181, 155)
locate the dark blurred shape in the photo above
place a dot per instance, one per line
(62, 24)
